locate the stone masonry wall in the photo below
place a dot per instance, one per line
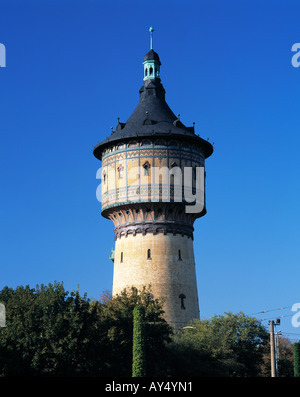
(170, 270)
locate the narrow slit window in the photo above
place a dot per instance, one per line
(121, 257)
(179, 255)
(149, 253)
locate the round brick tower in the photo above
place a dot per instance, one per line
(145, 175)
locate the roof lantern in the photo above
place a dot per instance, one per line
(151, 61)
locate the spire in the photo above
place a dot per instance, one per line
(151, 61)
(151, 30)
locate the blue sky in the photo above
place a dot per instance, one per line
(73, 67)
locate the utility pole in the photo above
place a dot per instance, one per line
(272, 346)
(277, 333)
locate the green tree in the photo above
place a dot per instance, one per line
(52, 332)
(138, 350)
(231, 344)
(49, 332)
(285, 358)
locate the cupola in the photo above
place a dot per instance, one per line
(151, 61)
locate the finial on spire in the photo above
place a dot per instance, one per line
(151, 30)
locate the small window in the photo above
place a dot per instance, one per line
(151, 71)
(120, 169)
(146, 72)
(146, 167)
(149, 254)
(121, 257)
(104, 177)
(182, 298)
(179, 255)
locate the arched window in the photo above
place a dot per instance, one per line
(146, 143)
(151, 71)
(120, 169)
(146, 167)
(182, 298)
(149, 253)
(146, 72)
(132, 144)
(160, 142)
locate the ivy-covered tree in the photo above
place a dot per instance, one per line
(296, 349)
(117, 317)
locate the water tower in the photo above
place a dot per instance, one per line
(153, 228)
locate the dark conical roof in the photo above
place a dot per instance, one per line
(152, 56)
(152, 118)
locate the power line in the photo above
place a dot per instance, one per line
(270, 318)
(270, 310)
